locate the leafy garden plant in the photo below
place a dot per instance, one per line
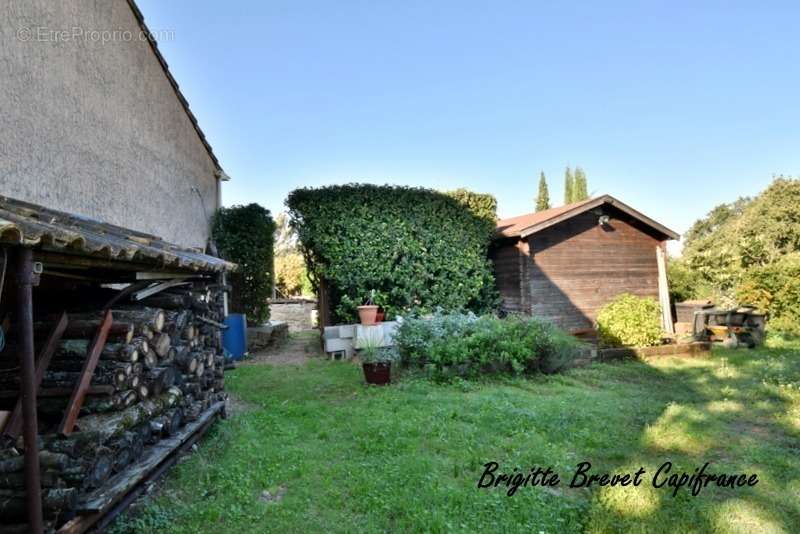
(629, 320)
(417, 248)
(462, 344)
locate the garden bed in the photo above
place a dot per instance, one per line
(694, 349)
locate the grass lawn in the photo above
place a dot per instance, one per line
(346, 458)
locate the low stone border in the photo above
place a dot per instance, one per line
(265, 336)
(696, 349)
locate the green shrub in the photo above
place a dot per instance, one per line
(417, 248)
(775, 289)
(629, 320)
(459, 344)
(244, 235)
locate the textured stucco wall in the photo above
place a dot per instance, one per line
(96, 128)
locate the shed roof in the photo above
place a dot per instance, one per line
(530, 223)
(23, 223)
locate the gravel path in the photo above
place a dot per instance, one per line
(297, 350)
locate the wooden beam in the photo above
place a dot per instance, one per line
(14, 424)
(78, 394)
(157, 275)
(663, 289)
(158, 288)
(125, 292)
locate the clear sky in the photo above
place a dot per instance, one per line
(673, 107)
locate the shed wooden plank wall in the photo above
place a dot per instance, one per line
(510, 263)
(578, 266)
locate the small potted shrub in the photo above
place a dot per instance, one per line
(367, 312)
(376, 361)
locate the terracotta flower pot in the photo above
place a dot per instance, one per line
(379, 316)
(367, 314)
(377, 373)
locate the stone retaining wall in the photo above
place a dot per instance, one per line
(299, 314)
(267, 335)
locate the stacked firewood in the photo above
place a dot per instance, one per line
(161, 367)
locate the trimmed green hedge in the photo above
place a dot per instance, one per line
(244, 235)
(416, 248)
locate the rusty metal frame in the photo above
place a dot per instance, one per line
(14, 424)
(76, 400)
(26, 279)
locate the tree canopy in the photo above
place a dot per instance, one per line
(745, 251)
(576, 187)
(569, 186)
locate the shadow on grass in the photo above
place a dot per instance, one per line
(737, 410)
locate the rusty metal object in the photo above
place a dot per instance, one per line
(25, 281)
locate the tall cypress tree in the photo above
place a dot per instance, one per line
(543, 198)
(569, 186)
(580, 190)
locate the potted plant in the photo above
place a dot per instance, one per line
(376, 361)
(368, 311)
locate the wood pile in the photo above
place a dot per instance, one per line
(161, 367)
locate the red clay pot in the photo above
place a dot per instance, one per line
(379, 316)
(367, 314)
(377, 373)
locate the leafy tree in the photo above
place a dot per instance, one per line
(285, 236)
(569, 186)
(580, 187)
(244, 235)
(739, 250)
(775, 287)
(291, 277)
(684, 283)
(543, 198)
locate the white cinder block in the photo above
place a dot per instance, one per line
(347, 331)
(336, 345)
(331, 332)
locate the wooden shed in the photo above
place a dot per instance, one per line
(564, 263)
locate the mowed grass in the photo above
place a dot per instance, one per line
(407, 458)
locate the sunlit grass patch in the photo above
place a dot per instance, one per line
(724, 406)
(406, 458)
(681, 428)
(739, 516)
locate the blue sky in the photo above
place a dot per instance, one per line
(670, 106)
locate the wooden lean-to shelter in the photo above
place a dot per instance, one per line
(111, 362)
(564, 263)
(111, 299)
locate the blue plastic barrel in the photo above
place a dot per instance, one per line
(234, 338)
